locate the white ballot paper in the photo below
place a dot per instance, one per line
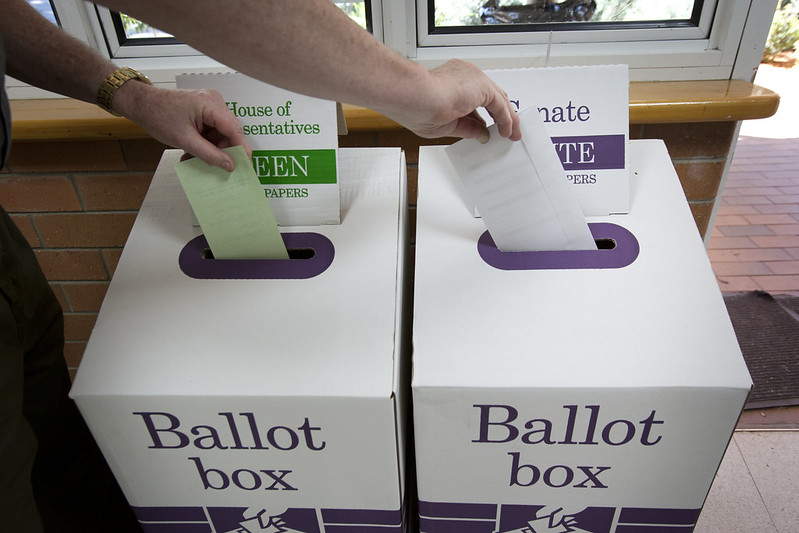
(521, 191)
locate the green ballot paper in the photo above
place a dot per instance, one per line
(232, 209)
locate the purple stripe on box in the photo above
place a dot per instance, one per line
(428, 525)
(359, 516)
(321, 251)
(363, 529)
(643, 515)
(170, 514)
(591, 152)
(624, 251)
(175, 528)
(458, 510)
(653, 529)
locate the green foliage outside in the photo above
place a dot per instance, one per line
(784, 32)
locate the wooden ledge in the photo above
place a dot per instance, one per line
(650, 103)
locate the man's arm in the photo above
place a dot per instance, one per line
(39, 53)
(312, 47)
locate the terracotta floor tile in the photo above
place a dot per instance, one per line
(781, 267)
(742, 268)
(737, 284)
(778, 283)
(746, 230)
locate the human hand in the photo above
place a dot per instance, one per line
(198, 122)
(450, 109)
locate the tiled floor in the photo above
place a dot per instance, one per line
(755, 239)
(755, 245)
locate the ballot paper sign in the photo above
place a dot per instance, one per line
(585, 111)
(295, 144)
(520, 190)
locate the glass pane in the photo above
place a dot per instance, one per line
(450, 13)
(45, 8)
(358, 12)
(136, 29)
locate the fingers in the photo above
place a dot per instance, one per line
(504, 115)
(216, 128)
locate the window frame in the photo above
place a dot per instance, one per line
(707, 51)
(728, 46)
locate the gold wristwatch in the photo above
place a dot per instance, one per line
(105, 94)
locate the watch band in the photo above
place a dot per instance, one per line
(105, 94)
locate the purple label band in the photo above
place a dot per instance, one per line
(436, 517)
(618, 248)
(311, 254)
(299, 520)
(591, 152)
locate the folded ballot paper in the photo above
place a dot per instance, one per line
(521, 191)
(231, 208)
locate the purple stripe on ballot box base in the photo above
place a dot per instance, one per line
(618, 248)
(440, 517)
(458, 510)
(249, 519)
(357, 516)
(310, 255)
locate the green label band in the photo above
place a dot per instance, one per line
(292, 167)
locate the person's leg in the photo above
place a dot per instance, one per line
(18, 510)
(73, 487)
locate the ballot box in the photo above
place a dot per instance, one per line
(588, 391)
(258, 395)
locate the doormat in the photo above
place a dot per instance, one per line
(767, 328)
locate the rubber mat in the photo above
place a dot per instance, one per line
(767, 329)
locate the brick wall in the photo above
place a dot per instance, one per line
(76, 201)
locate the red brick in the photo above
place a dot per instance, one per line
(413, 184)
(25, 194)
(696, 139)
(730, 243)
(744, 231)
(776, 241)
(778, 283)
(741, 268)
(737, 284)
(700, 179)
(59, 294)
(73, 352)
(111, 257)
(730, 220)
(68, 265)
(66, 156)
(410, 142)
(143, 154)
(85, 297)
(113, 192)
(85, 230)
(778, 218)
(358, 139)
(78, 326)
(702, 211)
(783, 267)
(25, 225)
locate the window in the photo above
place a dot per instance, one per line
(45, 8)
(663, 40)
(128, 37)
(658, 39)
(456, 16)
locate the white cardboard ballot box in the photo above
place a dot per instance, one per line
(258, 395)
(590, 391)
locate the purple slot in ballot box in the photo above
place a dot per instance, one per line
(310, 254)
(617, 248)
